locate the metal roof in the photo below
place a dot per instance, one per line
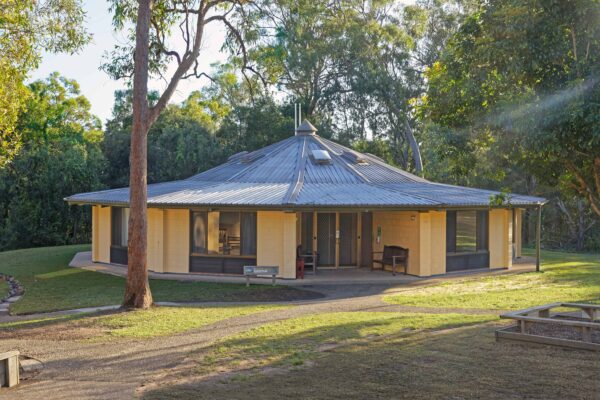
(285, 175)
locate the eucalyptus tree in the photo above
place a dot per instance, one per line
(521, 79)
(356, 65)
(161, 33)
(28, 27)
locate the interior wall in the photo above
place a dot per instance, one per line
(276, 241)
(213, 232)
(500, 239)
(399, 228)
(177, 241)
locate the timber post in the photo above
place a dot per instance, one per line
(538, 238)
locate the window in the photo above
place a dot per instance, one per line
(235, 234)
(467, 231)
(120, 226)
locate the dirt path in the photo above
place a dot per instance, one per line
(80, 370)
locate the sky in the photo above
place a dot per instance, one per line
(96, 85)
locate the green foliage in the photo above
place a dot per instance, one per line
(514, 100)
(26, 28)
(520, 79)
(60, 155)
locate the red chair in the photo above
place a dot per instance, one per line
(300, 268)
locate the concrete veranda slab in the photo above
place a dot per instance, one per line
(324, 277)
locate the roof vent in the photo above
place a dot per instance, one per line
(237, 156)
(354, 157)
(306, 128)
(250, 157)
(321, 156)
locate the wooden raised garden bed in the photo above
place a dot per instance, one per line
(574, 325)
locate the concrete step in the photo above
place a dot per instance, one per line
(13, 299)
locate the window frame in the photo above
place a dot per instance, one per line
(209, 232)
(122, 219)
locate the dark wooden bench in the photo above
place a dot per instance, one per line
(391, 255)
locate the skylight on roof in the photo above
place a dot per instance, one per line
(321, 156)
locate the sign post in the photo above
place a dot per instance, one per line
(255, 271)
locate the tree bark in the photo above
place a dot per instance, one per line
(414, 146)
(137, 290)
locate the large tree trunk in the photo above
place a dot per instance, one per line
(137, 291)
(414, 146)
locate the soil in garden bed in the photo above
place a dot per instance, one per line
(559, 331)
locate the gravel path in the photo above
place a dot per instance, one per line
(83, 370)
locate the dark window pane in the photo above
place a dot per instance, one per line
(199, 232)
(306, 233)
(451, 231)
(120, 225)
(482, 230)
(248, 234)
(466, 231)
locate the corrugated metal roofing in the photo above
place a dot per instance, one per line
(285, 175)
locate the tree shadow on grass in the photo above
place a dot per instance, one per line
(298, 342)
(461, 363)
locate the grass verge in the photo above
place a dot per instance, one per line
(51, 285)
(140, 324)
(564, 277)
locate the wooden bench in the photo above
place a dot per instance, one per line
(9, 368)
(392, 255)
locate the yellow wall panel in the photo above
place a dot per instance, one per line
(518, 232)
(437, 235)
(276, 241)
(177, 241)
(399, 228)
(500, 239)
(95, 227)
(103, 234)
(155, 239)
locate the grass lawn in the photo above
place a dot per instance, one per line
(293, 341)
(51, 285)
(159, 321)
(3, 289)
(565, 277)
(462, 363)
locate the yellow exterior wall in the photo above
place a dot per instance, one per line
(399, 228)
(276, 241)
(101, 234)
(518, 232)
(155, 239)
(500, 240)
(95, 227)
(432, 243)
(176, 241)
